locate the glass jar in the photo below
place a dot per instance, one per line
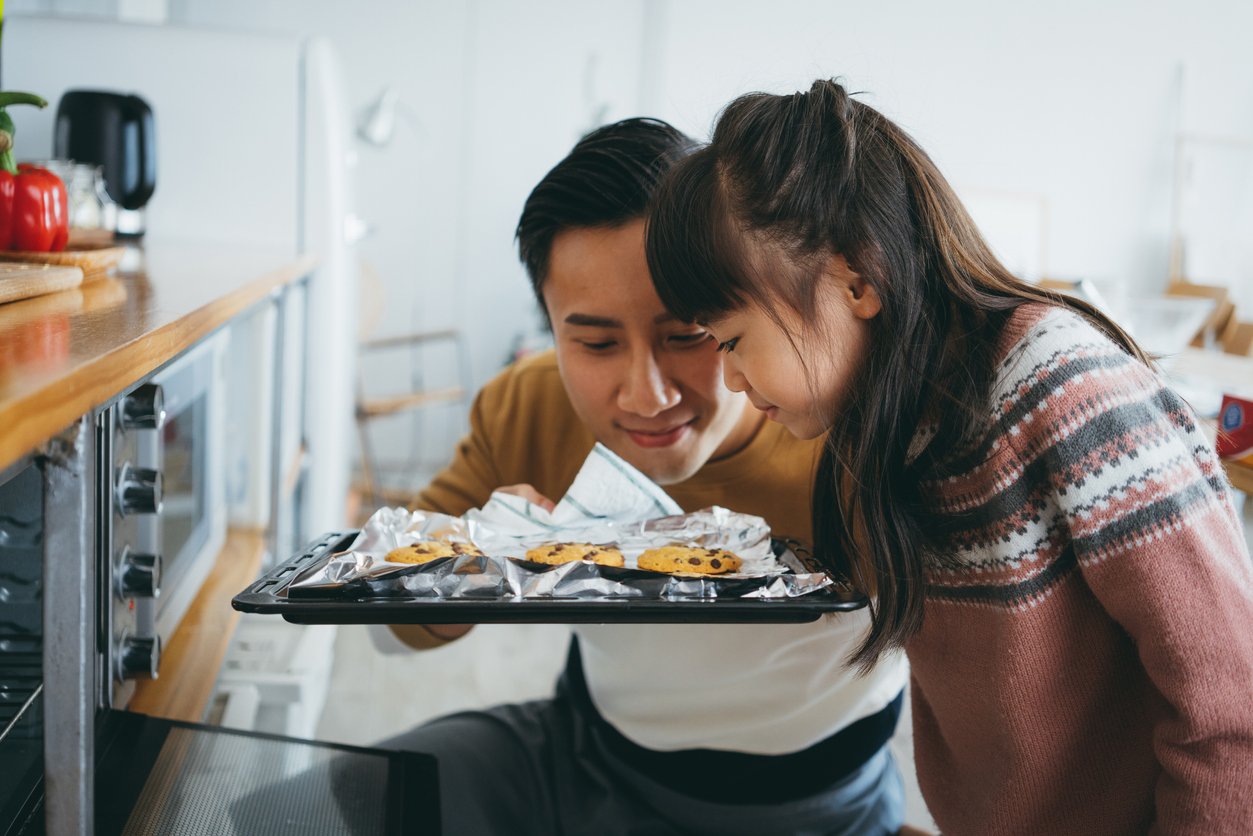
(89, 204)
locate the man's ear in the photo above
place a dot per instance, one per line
(863, 300)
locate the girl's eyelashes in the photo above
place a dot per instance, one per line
(729, 345)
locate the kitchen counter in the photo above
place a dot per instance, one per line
(1216, 372)
(64, 354)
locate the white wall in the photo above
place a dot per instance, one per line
(1072, 105)
(203, 168)
(496, 93)
(1075, 101)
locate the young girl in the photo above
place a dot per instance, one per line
(1047, 531)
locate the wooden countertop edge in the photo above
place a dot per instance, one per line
(33, 419)
(191, 660)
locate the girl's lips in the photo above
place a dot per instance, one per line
(661, 439)
(771, 411)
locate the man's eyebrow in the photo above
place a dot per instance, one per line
(663, 318)
(592, 321)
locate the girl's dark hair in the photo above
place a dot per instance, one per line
(607, 179)
(754, 218)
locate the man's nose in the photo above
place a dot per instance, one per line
(647, 390)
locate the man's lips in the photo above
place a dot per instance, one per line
(659, 438)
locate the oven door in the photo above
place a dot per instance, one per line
(21, 646)
(192, 522)
(157, 776)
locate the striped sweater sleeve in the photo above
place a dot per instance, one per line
(1142, 506)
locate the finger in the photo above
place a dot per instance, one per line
(530, 495)
(448, 632)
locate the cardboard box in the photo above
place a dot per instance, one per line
(1238, 338)
(1223, 313)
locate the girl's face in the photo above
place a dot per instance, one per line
(761, 359)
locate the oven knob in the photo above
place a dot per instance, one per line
(139, 575)
(138, 658)
(138, 490)
(144, 409)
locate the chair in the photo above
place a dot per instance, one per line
(370, 408)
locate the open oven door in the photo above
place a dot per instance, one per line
(157, 776)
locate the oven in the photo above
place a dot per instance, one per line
(162, 515)
(106, 533)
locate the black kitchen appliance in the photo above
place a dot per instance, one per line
(115, 131)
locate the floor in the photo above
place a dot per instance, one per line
(373, 696)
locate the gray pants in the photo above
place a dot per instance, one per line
(541, 768)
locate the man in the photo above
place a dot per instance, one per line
(661, 729)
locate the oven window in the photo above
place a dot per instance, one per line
(21, 646)
(182, 474)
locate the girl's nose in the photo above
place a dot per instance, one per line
(732, 377)
(647, 390)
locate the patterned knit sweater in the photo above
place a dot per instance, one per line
(1088, 669)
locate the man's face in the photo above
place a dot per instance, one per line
(648, 386)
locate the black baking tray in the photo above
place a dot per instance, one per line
(269, 594)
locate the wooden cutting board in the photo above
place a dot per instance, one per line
(92, 260)
(22, 281)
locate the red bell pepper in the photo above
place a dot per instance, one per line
(34, 207)
(34, 211)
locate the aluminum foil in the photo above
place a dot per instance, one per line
(362, 570)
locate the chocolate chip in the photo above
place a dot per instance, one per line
(695, 561)
(716, 563)
(591, 553)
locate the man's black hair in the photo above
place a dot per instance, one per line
(607, 179)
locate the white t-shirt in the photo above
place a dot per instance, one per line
(777, 688)
(768, 689)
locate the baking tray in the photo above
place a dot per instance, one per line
(269, 594)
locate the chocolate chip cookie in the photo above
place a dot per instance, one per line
(687, 559)
(429, 550)
(569, 552)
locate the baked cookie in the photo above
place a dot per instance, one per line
(570, 552)
(689, 559)
(428, 550)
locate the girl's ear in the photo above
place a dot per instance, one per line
(862, 299)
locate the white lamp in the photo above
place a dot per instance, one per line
(379, 120)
